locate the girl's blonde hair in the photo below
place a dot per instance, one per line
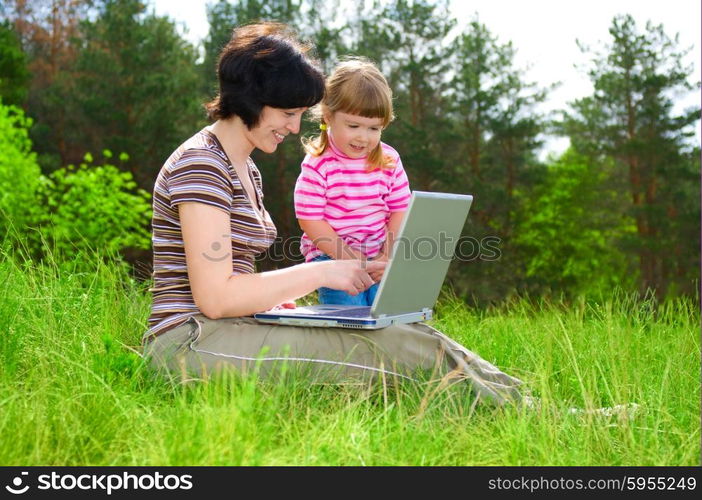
(357, 87)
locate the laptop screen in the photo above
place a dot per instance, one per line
(422, 252)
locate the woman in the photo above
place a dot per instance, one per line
(209, 224)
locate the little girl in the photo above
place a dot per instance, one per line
(352, 192)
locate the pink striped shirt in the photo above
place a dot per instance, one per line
(356, 203)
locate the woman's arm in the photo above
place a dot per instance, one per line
(218, 293)
(325, 238)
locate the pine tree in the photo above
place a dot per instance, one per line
(14, 76)
(630, 119)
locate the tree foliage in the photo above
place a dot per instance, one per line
(14, 75)
(630, 120)
(46, 30)
(127, 58)
(118, 79)
(568, 229)
(622, 205)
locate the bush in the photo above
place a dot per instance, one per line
(20, 175)
(75, 209)
(95, 208)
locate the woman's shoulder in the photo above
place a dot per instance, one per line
(203, 148)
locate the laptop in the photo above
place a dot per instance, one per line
(418, 263)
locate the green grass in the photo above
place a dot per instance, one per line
(73, 390)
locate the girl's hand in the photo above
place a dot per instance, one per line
(351, 276)
(378, 275)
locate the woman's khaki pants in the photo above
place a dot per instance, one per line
(203, 346)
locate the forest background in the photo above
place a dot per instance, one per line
(95, 94)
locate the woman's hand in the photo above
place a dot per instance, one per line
(351, 276)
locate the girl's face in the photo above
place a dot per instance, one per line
(356, 136)
(273, 126)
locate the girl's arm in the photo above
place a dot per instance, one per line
(392, 228)
(218, 293)
(325, 238)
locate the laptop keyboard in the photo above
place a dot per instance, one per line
(359, 312)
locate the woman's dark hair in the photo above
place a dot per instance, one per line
(264, 65)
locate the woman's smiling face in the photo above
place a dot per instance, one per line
(273, 126)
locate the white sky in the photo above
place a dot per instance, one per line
(542, 31)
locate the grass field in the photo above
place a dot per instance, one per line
(74, 391)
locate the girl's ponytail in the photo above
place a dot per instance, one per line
(377, 159)
(315, 146)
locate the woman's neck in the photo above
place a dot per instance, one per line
(231, 133)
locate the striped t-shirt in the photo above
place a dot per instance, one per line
(355, 201)
(199, 171)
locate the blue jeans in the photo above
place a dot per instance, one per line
(339, 297)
